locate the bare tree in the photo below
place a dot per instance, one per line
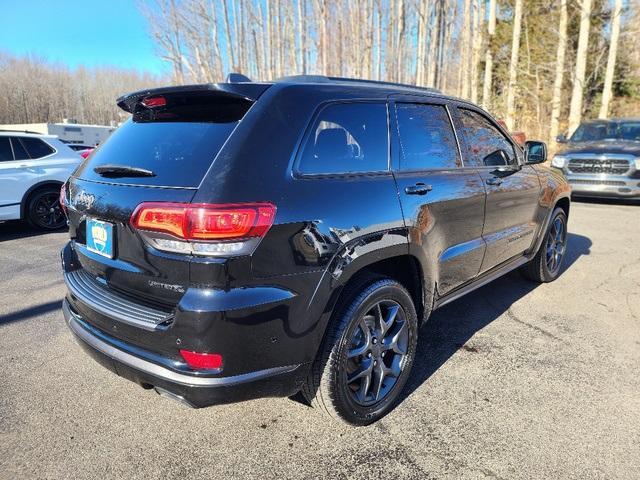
(611, 60)
(488, 57)
(434, 42)
(556, 101)
(513, 65)
(575, 111)
(37, 91)
(478, 28)
(463, 71)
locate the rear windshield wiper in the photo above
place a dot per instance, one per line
(122, 171)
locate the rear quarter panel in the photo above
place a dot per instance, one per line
(553, 188)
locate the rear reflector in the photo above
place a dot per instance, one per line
(205, 221)
(202, 361)
(63, 198)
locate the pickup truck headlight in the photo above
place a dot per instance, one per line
(559, 161)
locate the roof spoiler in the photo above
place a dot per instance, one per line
(241, 91)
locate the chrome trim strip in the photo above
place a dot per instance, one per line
(599, 157)
(137, 363)
(462, 249)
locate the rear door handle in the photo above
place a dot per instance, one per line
(494, 181)
(418, 189)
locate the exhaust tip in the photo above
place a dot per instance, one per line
(167, 394)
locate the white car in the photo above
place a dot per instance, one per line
(33, 167)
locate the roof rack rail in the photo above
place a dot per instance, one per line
(326, 79)
(380, 82)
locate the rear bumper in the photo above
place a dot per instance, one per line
(602, 185)
(150, 370)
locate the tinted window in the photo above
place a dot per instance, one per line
(426, 137)
(347, 138)
(36, 148)
(484, 146)
(630, 131)
(178, 153)
(178, 142)
(18, 150)
(5, 150)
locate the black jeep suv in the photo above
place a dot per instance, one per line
(243, 240)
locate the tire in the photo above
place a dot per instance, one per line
(338, 383)
(44, 211)
(541, 269)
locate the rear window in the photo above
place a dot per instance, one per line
(36, 148)
(178, 143)
(347, 138)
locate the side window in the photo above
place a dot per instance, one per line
(6, 155)
(484, 144)
(426, 137)
(36, 148)
(18, 150)
(347, 138)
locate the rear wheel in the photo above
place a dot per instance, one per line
(546, 265)
(367, 354)
(44, 210)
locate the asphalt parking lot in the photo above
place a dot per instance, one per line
(513, 381)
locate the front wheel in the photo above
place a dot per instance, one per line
(44, 210)
(367, 354)
(546, 265)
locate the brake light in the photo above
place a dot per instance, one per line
(63, 198)
(205, 221)
(202, 361)
(153, 102)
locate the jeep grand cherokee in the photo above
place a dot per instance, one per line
(244, 240)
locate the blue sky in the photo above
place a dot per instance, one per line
(76, 32)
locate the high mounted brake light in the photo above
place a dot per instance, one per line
(205, 221)
(153, 102)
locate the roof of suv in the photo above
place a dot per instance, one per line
(240, 87)
(25, 133)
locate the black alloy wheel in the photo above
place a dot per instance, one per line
(44, 210)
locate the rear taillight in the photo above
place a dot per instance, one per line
(204, 229)
(63, 198)
(202, 361)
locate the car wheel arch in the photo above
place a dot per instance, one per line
(401, 266)
(33, 189)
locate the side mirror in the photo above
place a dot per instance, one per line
(535, 152)
(561, 138)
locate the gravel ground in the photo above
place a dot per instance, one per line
(513, 381)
